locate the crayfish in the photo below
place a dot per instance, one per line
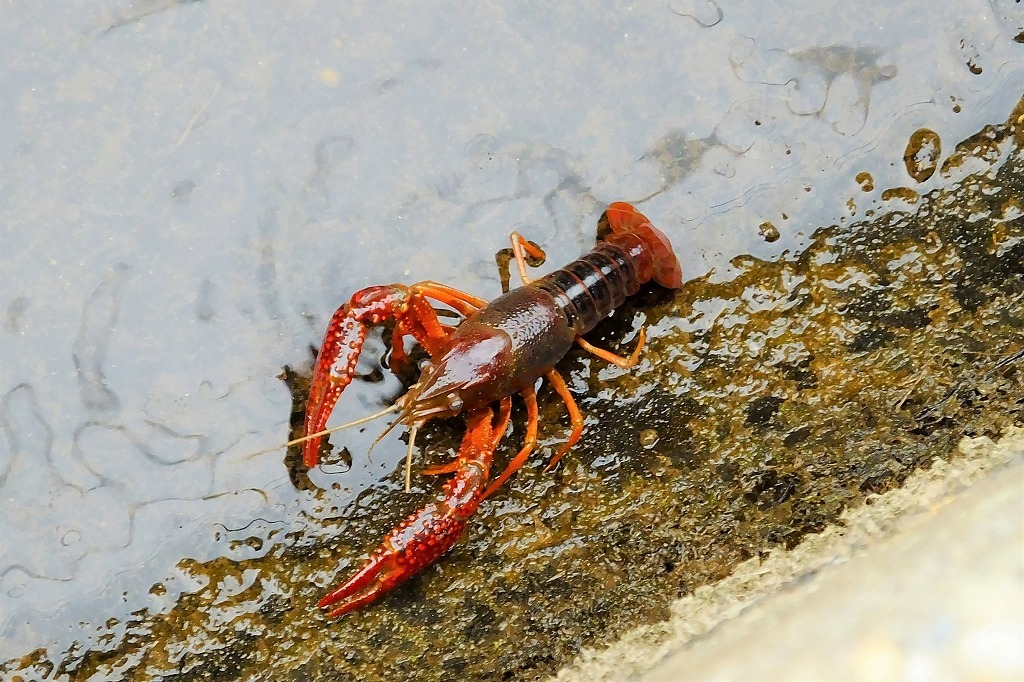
(499, 349)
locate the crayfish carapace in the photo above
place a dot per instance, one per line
(499, 349)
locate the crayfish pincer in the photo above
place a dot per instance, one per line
(499, 349)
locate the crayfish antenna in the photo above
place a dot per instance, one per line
(407, 408)
(405, 405)
(325, 432)
(408, 457)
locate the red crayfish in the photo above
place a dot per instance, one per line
(501, 348)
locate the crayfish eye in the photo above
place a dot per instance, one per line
(425, 365)
(454, 401)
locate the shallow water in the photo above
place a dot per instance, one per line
(189, 189)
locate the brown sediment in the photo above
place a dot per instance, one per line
(921, 157)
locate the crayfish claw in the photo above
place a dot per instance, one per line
(335, 367)
(413, 545)
(339, 353)
(425, 535)
(370, 582)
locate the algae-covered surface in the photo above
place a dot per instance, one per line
(189, 189)
(765, 405)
